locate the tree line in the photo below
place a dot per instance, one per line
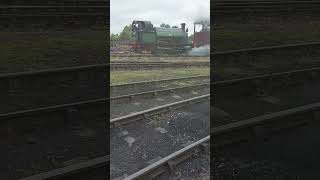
(125, 34)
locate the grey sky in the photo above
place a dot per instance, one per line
(173, 12)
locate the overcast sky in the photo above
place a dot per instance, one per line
(173, 12)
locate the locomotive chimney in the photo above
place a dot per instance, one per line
(183, 26)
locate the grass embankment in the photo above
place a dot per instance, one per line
(26, 51)
(120, 77)
(265, 32)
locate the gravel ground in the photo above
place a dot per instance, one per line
(251, 106)
(295, 151)
(50, 144)
(118, 109)
(139, 144)
(194, 169)
(158, 86)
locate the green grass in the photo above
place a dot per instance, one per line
(269, 32)
(120, 77)
(25, 51)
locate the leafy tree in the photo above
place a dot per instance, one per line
(126, 33)
(114, 37)
(165, 25)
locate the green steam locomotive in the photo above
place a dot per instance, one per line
(159, 39)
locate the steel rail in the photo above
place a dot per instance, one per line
(158, 92)
(75, 169)
(123, 55)
(270, 76)
(158, 81)
(215, 86)
(261, 2)
(226, 132)
(156, 62)
(146, 114)
(142, 65)
(169, 163)
(55, 108)
(184, 154)
(50, 6)
(55, 70)
(268, 48)
(55, 14)
(264, 124)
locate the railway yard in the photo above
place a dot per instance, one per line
(146, 138)
(146, 117)
(248, 111)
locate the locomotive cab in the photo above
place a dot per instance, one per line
(145, 36)
(201, 35)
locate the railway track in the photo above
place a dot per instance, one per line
(55, 3)
(31, 90)
(137, 87)
(159, 59)
(295, 76)
(63, 122)
(257, 85)
(234, 56)
(53, 14)
(115, 122)
(257, 129)
(251, 86)
(253, 83)
(273, 59)
(156, 65)
(160, 127)
(95, 169)
(223, 9)
(56, 95)
(51, 10)
(168, 164)
(228, 135)
(158, 92)
(236, 132)
(129, 55)
(299, 76)
(264, 94)
(167, 59)
(126, 104)
(302, 47)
